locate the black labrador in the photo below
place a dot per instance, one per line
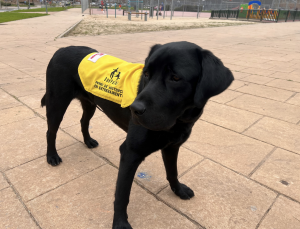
(177, 80)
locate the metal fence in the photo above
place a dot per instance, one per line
(258, 15)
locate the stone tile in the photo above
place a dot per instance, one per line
(258, 71)
(233, 150)
(257, 79)
(293, 76)
(102, 129)
(223, 199)
(283, 214)
(266, 92)
(281, 172)
(284, 84)
(37, 177)
(7, 101)
(295, 100)
(279, 110)
(25, 88)
(23, 141)
(240, 75)
(33, 100)
(151, 173)
(282, 134)
(12, 212)
(3, 183)
(226, 96)
(285, 69)
(237, 84)
(234, 67)
(15, 114)
(91, 197)
(73, 114)
(229, 117)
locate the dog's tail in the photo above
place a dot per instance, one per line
(43, 101)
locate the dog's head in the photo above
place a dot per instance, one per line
(176, 77)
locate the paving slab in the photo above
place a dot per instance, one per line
(257, 79)
(24, 141)
(226, 96)
(283, 214)
(7, 101)
(15, 114)
(223, 199)
(285, 84)
(281, 172)
(37, 177)
(278, 133)
(33, 100)
(229, 148)
(25, 88)
(87, 202)
(268, 107)
(151, 173)
(12, 212)
(229, 117)
(266, 92)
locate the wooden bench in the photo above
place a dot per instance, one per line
(129, 15)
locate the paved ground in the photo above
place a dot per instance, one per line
(242, 160)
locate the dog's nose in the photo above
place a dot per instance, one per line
(138, 108)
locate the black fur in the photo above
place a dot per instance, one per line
(177, 80)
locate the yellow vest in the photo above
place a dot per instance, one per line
(110, 78)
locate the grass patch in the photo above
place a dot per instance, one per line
(50, 9)
(9, 16)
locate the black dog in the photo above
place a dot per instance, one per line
(177, 80)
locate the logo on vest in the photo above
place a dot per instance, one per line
(114, 77)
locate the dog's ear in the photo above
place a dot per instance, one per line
(152, 50)
(215, 78)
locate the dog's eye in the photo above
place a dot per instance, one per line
(146, 74)
(175, 78)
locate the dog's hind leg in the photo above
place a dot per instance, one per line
(56, 108)
(88, 112)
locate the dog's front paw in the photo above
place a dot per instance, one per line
(183, 191)
(91, 143)
(121, 225)
(54, 160)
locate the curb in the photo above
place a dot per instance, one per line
(69, 30)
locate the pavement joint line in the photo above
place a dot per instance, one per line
(17, 105)
(298, 122)
(252, 124)
(245, 176)
(38, 157)
(20, 198)
(266, 213)
(262, 162)
(75, 178)
(254, 137)
(293, 95)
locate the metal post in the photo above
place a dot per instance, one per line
(295, 13)
(28, 4)
(164, 8)
(115, 10)
(18, 5)
(89, 2)
(137, 8)
(278, 16)
(197, 11)
(106, 10)
(287, 15)
(142, 8)
(157, 9)
(171, 10)
(146, 16)
(46, 7)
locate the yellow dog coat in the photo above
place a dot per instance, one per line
(110, 78)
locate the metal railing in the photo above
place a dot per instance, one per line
(258, 15)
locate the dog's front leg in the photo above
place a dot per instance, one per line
(128, 165)
(170, 155)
